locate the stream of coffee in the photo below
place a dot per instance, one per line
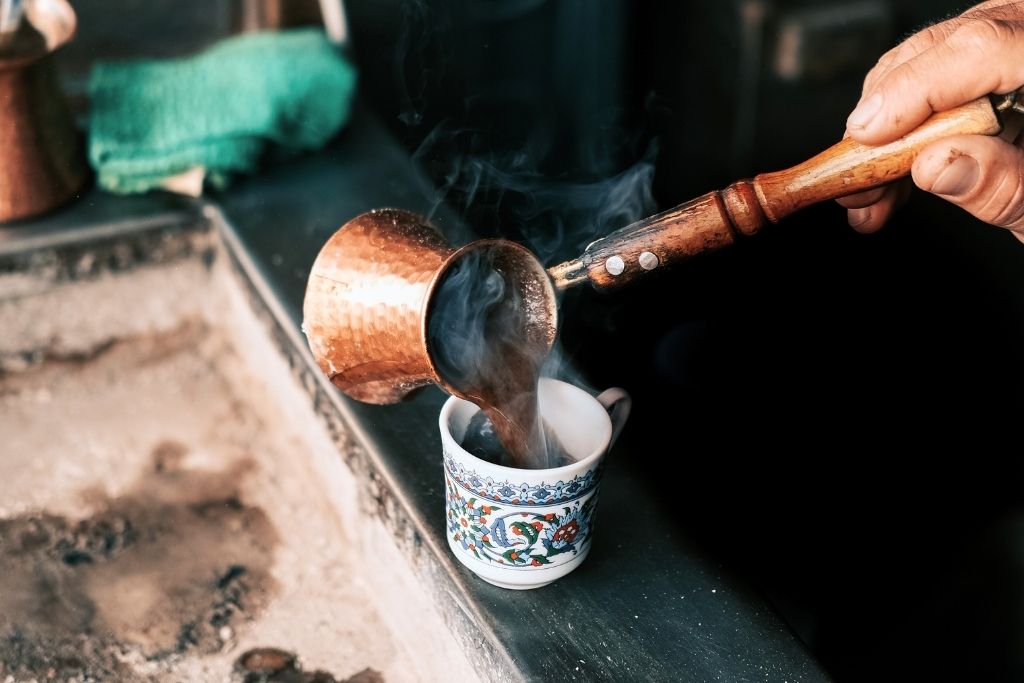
(482, 343)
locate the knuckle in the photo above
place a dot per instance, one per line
(906, 51)
(1009, 212)
(983, 35)
(998, 197)
(908, 80)
(941, 31)
(931, 35)
(885, 62)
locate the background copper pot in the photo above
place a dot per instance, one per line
(369, 295)
(41, 158)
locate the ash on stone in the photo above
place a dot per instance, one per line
(151, 575)
(273, 665)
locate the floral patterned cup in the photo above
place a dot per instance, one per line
(519, 528)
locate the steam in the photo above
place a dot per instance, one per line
(499, 187)
(512, 197)
(466, 319)
(417, 27)
(486, 344)
(477, 328)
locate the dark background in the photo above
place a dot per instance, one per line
(836, 416)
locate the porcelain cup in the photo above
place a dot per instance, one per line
(520, 528)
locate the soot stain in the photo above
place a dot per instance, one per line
(273, 665)
(154, 573)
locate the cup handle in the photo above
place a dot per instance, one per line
(618, 404)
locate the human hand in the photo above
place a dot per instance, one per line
(940, 67)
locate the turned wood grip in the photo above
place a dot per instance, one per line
(717, 219)
(850, 167)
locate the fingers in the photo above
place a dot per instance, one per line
(980, 56)
(870, 218)
(908, 49)
(983, 7)
(862, 199)
(981, 174)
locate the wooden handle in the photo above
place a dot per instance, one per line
(716, 219)
(850, 167)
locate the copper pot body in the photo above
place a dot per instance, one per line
(42, 163)
(369, 295)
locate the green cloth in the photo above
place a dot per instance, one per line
(224, 109)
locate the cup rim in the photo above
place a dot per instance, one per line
(581, 464)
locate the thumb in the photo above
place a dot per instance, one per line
(983, 175)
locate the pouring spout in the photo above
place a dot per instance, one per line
(569, 273)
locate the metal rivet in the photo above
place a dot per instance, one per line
(615, 265)
(649, 260)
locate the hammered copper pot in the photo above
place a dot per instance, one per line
(369, 294)
(42, 164)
